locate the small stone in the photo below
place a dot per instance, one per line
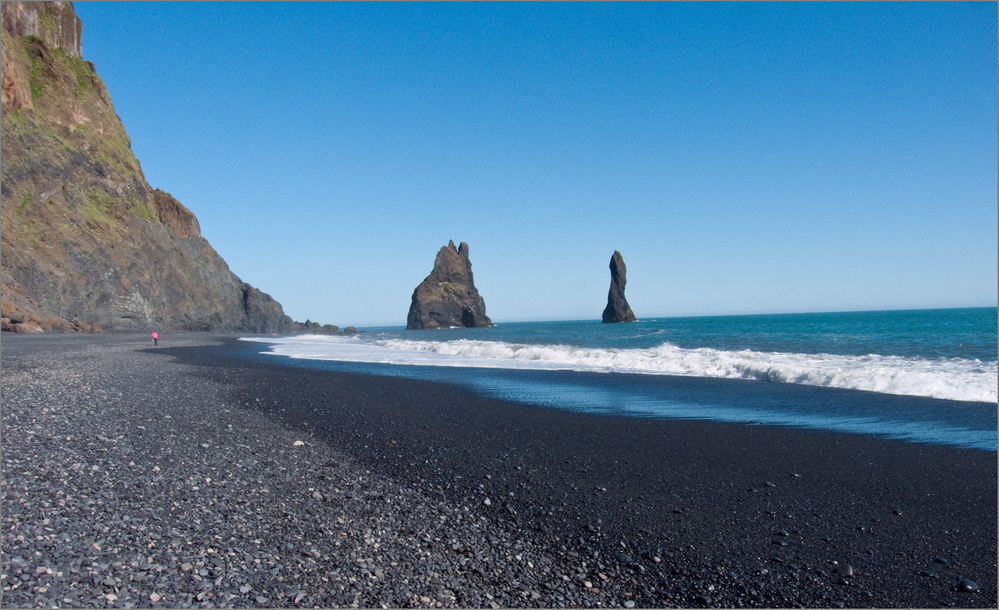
(967, 586)
(629, 604)
(153, 597)
(184, 567)
(940, 560)
(783, 533)
(702, 600)
(317, 496)
(487, 502)
(625, 558)
(260, 599)
(244, 588)
(844, 569)
(298, 443)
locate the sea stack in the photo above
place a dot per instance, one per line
(617, 309)
(447, 297)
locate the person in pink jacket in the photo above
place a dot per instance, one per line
(156, 338)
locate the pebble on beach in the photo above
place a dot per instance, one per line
(135, 478)
(967, 586)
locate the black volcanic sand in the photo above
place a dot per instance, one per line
(185, 476)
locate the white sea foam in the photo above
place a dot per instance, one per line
(953, 378)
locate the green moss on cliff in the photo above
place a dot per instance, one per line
(45, 17)
(146, 212)
(14, 119)
(19, 225)
(79, 68)
(115, 152)
(98, 205)
(38, 79)
(24, 203)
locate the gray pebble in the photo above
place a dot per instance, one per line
(967, 586)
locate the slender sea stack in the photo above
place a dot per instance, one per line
(448, 296)
(617, 309)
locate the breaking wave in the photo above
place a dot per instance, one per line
(946, 378)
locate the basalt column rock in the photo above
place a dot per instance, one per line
(448, 296)
(617, 309)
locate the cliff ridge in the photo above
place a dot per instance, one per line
(87, 244)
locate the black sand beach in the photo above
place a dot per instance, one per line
(183, 476)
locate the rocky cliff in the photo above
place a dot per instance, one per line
(617, 309)
(86, 243)
(448, 297)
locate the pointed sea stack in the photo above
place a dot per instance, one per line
(617, 309)
(448, 296)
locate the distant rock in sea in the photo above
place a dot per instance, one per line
(617, 309)
(447, 297)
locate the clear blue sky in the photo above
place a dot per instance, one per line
(744, 158)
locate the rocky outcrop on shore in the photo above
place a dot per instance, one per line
(87, 243)
(448, 297)
(617, 309)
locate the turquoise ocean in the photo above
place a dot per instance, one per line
(914, 375)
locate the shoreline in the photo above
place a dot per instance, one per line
(736, 515)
